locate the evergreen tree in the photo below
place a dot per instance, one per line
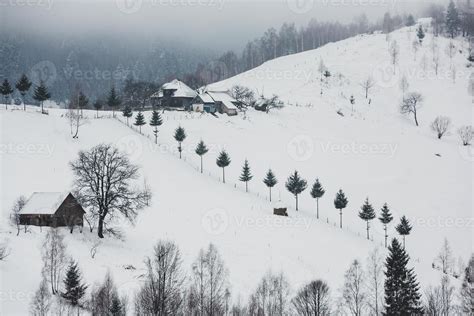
(270, 181)
(367, 214)
(41, 94)
(97, 106)
(223, 161)
(180, 136)
(317, 192)
(155, 122)
(246, 175)
(340, 203)
(467, 289)
(404, 228)
(295, 184)
(5, 90)
(420, 33)
(201, 150)
(116, 308)
(410, 20)
(140, 120)
(453, 22)
(402, 295)
(82, 101)
(385, 217)
(127, 112)
(113, 100)
(74, 289)
(23, 85)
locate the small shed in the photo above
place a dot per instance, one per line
(224, 102)
(280, 209)
(53, 209)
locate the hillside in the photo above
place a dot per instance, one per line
(374, 152)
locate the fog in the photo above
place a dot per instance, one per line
(214, 24)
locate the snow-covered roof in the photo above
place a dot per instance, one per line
(206, 98)
(181, 90)
(229, 105)
(44, 202)
(223, 97)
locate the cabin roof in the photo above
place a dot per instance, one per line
(44, 203)
(181, 90)
(223, 97)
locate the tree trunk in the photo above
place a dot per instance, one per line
(201, 164)
(416, 118)
(270, 193)
(385, 228)
(340, 217)
(100, 228)
(403, 241)
(223, 175)
(296, 197)
(246, 186)
(180, 150)
(317, 208)
(156, 135)
(368, 236)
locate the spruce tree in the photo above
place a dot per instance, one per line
(270, 181)
(402, 295)
(127, 113)
(367, 214)
(201, 150)
(113, 100)
(23, 85)
(467, 289)
(41, 94)
(317, 192)
(295, 185)
(180, 136)
(420, 33)
(385, 217)
(223, 161)
(82, 101)
(116, 308)
(140, 120)
(453, 22)
(340, 203)
(155, 122)
(404, 228)
(246, 175)
(5, 90)
(97, 106)
(410, 20)
(74, 289)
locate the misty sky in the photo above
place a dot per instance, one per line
(217, 24)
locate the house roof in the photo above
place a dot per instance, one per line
(206, 98)
(223, 97)
(44, 203)
(181, 90)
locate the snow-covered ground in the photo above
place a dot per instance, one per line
(374, 152)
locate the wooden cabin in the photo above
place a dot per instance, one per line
(174, 95)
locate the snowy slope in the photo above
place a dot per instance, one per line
(375, 152)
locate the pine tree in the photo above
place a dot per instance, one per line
(367, 214)
(201, 150)
(116, 308)
(385, 217)
(155, 122)
(74, 289)
(180, 136)
(453, 22)
(6, 90)
(113, 100)
(467, 289)
(317, 192)
(140, 120)
(23, 85)
(223, 161)
(270, 181)
(404, 228)
(340, 203)
(127, 112)
(82, 101)
(246, 175)
(295, 184)
(97, 106)
(402, 295)
(420, 33)
(41, 94)
(410, 20)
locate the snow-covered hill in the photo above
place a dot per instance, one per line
(372, 152)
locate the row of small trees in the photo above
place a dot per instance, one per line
(389, 288)
(23, 85)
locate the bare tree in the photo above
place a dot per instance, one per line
(441, 125)
(41, 302)
(411, 104)
(439, 299)
(436, 62)
(445, 257)
(466, 133)
(210, 283)
(404, 85)
(433, 302)
(368, 84)
(105, 299)
(394, 51)
(375, 285)
(447, 296)
(450, 51)
(243, 95)
(467, 288)
(353, 293)
(271, 296)
(161, 293)
(54, 259)
(103, 183)
(4, 251)
(313, 299)
(76, 120)
(15, 213)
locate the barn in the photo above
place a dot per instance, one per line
(53, 209)
(174, 95)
